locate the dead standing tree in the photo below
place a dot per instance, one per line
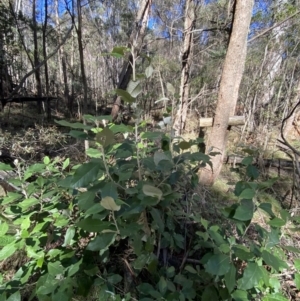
(186, 58)
(135, 44)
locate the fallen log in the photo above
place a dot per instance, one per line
(277, 163)
(233, 121)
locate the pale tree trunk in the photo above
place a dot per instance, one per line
(45, 58)
(136, 40)
(62, 62)
(186, 58)
(36, 57)
(60, 51)
(274, 59)
(229, 88)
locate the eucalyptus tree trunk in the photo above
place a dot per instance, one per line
(186, 58)
(58, 30)
(229, 88)
(135, 43)
(274, 57)
(36, 56)
(45, 57)
(62, 65)
(81, 56)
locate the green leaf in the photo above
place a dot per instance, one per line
(183, 145)
(106, 137)
(11, 197)
(152, 191)
(285, 215)
(242, 252)
(274, 261)
(47, 160)
(69, 236)
(109, 189)
(240, 295)
(244, 211)
(66, 164)
(74, 268)
(157, 219)
(101, 242)
(171, 286)
(170, 272)
(7, 251)
(93, 225)
(78, 134)
(251, 277)
(218, 264)
(252, 172)
(268, 183)
(230, 278)
(109, 204)
(204, 223)
(276, 222)
(85, 175)
(209, 294)
(55, 268)
(273, 238)
(125, 95)
(5, 167)
(15, 297)
(159, 156)
(93, 153)
(144, 288)
(297, 281)
(247, 194)
(148, 71)
(247, 161)
(3, 228)
(134, 88)
(114, 279)
(217, 237)
(297, 264)
(275, 297)
(121, 128)
(190, 269)
(267, 207)
(75, 125)
(28, 203)
(162, 285)
(141, 261)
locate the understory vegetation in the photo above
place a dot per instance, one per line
(133, 223)
(164, 169)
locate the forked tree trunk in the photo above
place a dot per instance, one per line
(186, 58)
(136, 40)
(229, 88)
